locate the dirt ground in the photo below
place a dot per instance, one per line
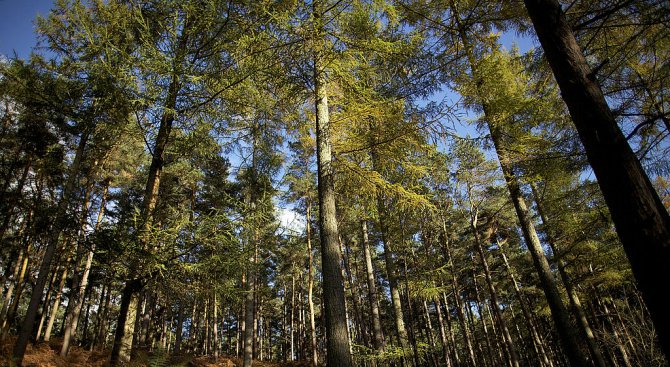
(46, 355)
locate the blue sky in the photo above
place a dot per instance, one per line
(17, 29)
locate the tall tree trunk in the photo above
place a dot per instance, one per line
(443, 334)
(487, 338)
(456, 294)
(559, 313)
(507, 338)
(179, 330)
(641, 220)
(54, 308)
(78, 296)
(152, 187)
(537, 342)
(215, 345)
(575, 302)
(337, 335)
(357, 331)
(46, 309)
(310, 286)
(52, 242)
(18, 274)
(292, 325)
(372, 291)
(103, 309)
(123, 337)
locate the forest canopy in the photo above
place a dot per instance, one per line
(337, 183)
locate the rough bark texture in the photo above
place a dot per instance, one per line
(124, 331)
(337, 336)
(641, 221)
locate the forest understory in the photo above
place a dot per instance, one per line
(46, 354)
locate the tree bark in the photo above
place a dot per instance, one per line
(45, 267)
(507, 338)
(575, 302)
(310, 286)
(537, 342)
(337, 336)
(56, 305)
(641, 220)
(372, 291)
(78, 297)
(457, 299)
(123, 337)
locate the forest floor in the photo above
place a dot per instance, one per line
(47, 355)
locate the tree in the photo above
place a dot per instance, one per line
(637, 211)
(337, 334)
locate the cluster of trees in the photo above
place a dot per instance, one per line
(144, 155)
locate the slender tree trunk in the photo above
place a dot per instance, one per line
(337, 335)
(52, 242)
(215, 345)
(507, 338)
(372, 291)
(152, 186)
(358, 322)
(310, 286)
(292, 325)
(489, 346)
(10, 304)
(471, 323)
(180, 327)
(537, 343)
(443, 334)
(105, 297)
(559, 313)
(46, 309)
(641, 220)
(54, 308)
(457, 300)
(75, 309)
(575, 302)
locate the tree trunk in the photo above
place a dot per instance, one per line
(537, 343)
(123, 337)
(641, 220)
(103, 309)
(52, 242)
(372, 291)
(507, 338)
(337, 336)
(575, 302)
(216, 328)
(487, 338)
(180, 327)
(19, 272)
(54, 308)
(457, 299)
(310, 286)
(559, 313)
(78, 296)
